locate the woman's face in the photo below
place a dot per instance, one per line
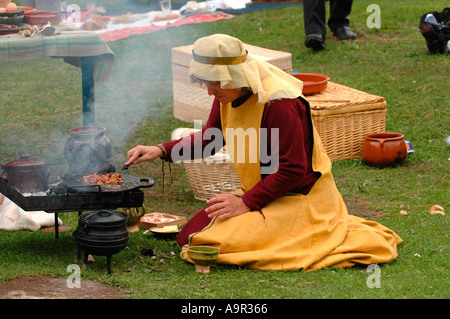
(223, 95)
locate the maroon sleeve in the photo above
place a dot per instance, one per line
(192, 142)
(294, 154)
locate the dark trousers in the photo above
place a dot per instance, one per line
(314, 15)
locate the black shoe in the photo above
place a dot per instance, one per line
(344, 33)
(315, 41)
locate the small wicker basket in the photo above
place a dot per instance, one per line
(209, 179)
(211, 175)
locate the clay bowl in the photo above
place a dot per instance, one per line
(40, 17)
(202, 256)
(312, 83)
(384, 149)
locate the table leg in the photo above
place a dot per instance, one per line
(87, 77)
(56, 226)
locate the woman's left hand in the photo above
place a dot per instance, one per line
(226, 206)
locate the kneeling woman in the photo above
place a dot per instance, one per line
(288, 213)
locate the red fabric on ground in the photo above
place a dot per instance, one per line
(195, 224)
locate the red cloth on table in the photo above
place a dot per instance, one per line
(199, 18)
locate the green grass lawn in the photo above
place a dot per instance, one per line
(41, 101)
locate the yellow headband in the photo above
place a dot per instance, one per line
(220, 60)
(223, 58)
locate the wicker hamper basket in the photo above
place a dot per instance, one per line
(343, 116)
(211, 175)
(208, 179)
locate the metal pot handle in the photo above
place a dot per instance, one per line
(74, 189)
(84, 226)
(85, 223)
(146, 182)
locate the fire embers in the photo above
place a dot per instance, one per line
(88, 151)
(103, 179)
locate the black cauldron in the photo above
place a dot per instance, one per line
(102, 233)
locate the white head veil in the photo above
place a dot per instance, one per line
(223, 58)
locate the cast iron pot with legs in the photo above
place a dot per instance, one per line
(102, 233)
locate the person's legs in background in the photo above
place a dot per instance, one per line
(314, 14)
(314, 22)
(338, 21)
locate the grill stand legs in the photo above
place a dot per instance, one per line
(108, 261)
(85, 259)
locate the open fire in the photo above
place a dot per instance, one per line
(103, 179)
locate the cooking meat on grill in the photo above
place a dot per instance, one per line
(103, 179)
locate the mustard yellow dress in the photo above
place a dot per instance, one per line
(295, 231)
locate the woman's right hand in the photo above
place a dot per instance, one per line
(142, 153)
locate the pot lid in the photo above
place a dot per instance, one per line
(105, 217)
(23, 162)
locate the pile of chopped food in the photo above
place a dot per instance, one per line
(156, 218)
(103, 179)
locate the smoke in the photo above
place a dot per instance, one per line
(139, 88)
(140, 80)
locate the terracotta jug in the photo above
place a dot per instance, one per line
(384, 149)
(88, 151)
